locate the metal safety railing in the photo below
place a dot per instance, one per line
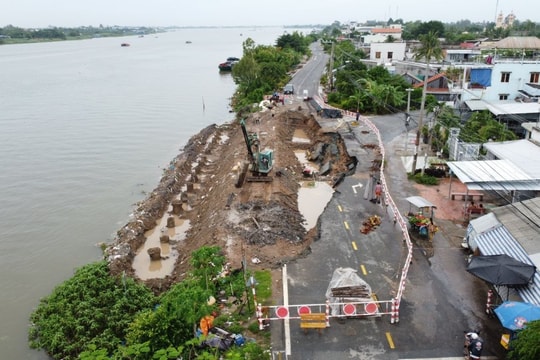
(398, 219)
(352, 309)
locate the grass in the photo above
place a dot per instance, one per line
(264, 285)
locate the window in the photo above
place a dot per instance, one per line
(505, 77)
(377, 55)
(503, 96)
(390, 54)
(535, 77)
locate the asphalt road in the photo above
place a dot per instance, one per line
(440, 301)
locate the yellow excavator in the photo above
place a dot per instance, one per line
(259, 162)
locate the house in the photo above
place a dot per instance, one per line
(510, 70)
(505, 81)
(438, 86)
(381, 34)
(384, 53)
(510, 170)
(454, 56)
(532, 131)
(513, 230)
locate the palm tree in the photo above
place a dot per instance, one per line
(430, 49)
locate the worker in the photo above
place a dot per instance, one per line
(432, 229)
(474, 345)
(207, 323)
(378, 192)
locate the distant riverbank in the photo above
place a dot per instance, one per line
(14, 35)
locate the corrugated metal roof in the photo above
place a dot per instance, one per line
(523, 153)
(491, 175)
(509, 107)
(518, 42)
(500, 241)
(522, 219)
(513, 107)
(484, 223)
(476, 105)
(419, 201)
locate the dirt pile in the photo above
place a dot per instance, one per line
(259, 220)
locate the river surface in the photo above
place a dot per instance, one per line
(86, 128)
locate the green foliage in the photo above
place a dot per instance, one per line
(18, 35)
(372, 90)
(173, 321)
(91, 308)
(527, 344)
(294, 41)
(264, 69)
(482, 127)
(430, 49)
(207, 262)
(264, 285)
(250, 350)
(425, 179)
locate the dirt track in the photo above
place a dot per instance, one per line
(258, 220)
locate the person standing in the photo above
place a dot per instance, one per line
(432, 229)
(378, 192)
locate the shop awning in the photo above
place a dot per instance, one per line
(500, 241)
(419, 202)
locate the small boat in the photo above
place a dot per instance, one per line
(228, 65)
(188, 42)
(124, 44)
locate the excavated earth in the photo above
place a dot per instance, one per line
(258, 220)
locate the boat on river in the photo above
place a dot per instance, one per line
(228, 64)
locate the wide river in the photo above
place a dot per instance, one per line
(86, 128)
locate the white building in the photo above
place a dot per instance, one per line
(385, 53)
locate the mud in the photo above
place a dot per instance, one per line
(260, 220)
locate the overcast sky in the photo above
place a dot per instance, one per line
(74, 13)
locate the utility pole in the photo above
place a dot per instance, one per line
(409, 90)
(407, 118)
(331, 67)
(420, 119)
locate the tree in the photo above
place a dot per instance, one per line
(527, 344)
(430, 49)
(90, 308)
(172, 322)
(481, 127)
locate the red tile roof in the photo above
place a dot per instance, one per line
(431, 79)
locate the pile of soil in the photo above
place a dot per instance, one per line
(259, 220)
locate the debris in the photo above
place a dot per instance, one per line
(370, 224)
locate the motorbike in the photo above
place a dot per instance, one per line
(473, 345)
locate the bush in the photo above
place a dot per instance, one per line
(91, 308)
(425, 179)
(438, 173)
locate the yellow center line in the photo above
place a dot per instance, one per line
(363, 269)
(374, 297)
(354, 246)
(390, 341)
(340, 208)
(346, 225)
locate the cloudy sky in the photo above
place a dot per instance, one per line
(68, 13)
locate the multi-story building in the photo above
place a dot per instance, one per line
(505, 81)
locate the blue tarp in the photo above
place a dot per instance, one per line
(481, 76)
